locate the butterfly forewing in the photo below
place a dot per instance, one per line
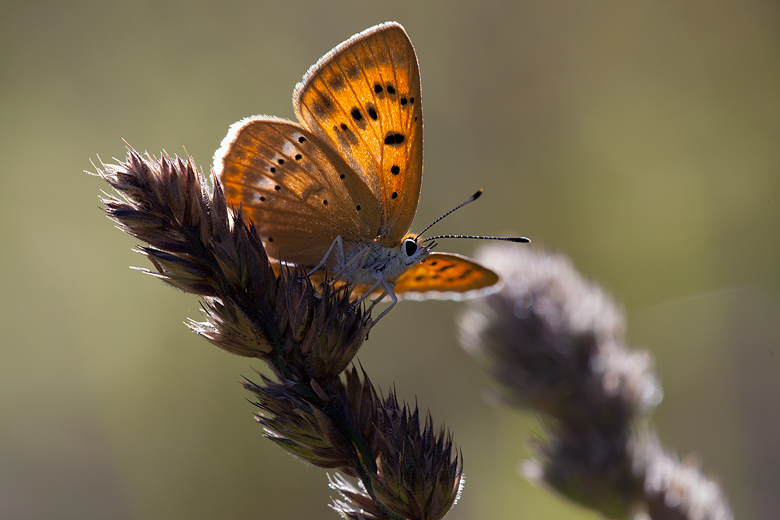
(445, 276)
(364, 99)
(298, 192)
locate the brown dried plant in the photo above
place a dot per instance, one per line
(316, 407)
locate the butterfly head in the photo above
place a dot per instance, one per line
(392, 262)
(413, 251)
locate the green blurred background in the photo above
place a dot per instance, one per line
(642, 139)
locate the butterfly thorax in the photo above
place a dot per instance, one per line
(365, 261)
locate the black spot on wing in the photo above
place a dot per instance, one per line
(322, 106)
(336, 82)
(394, 138)
(371, 110)
(345, 135)
(357, 117)
(352, 70)
(318, 110)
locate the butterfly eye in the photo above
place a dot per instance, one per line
(410, 246)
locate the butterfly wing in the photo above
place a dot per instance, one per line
(445, 276)
(363, 98)
(299, 193)
(441, 276)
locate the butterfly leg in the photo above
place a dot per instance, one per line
(387, 289)
(339, 245)
(365, 294)
(359, 256)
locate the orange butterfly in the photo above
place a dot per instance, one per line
(337, 193)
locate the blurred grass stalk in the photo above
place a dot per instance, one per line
(554, 343)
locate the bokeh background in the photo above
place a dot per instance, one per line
(642, 139)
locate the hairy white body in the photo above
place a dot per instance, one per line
(373, 264)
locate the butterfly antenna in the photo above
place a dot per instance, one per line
(468, 200)
(523, 240)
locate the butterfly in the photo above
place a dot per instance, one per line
(337, 191)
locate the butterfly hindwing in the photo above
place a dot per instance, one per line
(297, 191)
(441, 276)
(363, 98)
(445, 276)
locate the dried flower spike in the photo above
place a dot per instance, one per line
(316, 409)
